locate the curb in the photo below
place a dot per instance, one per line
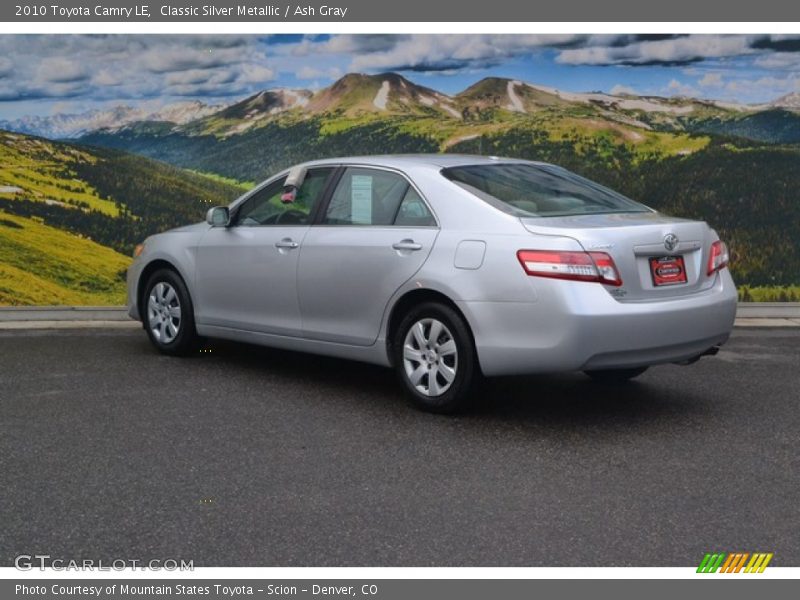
(63, 313)
(749, 314)
(93, 324)
(759, 322)
(768, 310)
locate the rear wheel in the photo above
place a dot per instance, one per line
(169, 314)
(435, 358)
(615, 375)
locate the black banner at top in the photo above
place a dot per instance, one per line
(392, 11)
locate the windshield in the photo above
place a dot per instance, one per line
(527, 190)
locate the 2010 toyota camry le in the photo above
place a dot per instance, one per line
(446, 268)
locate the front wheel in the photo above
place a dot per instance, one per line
(169, 314)
(435, 358)
(615, 375)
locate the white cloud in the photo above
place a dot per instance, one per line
(136, 68)
(199, 76)
(255, 73)
(441, 52)
(669, 51)
(619, 90)
(777, 86)
(180, 58)
(779, 60)
(106, 78)
(6, 67)
(202, 82)
(349, 44)
(132, 67)
(309, 72)
(60, 70)
(711, 80)
(677, 88)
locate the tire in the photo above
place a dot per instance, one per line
(615, 375)
(438, 374)
(168, 314)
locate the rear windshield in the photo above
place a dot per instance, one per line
(528, 190)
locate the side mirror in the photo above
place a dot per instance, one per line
(219, 216)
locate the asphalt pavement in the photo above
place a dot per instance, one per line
(244, 456)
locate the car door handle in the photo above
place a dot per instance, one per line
(287, 243)
(407, 245)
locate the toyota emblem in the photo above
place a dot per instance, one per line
(671, 241)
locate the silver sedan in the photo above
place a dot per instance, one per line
(445, 267)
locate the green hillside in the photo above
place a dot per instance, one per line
(257, 153)
(40, 170)
(745, 190)
(70, 216)
(385, 113)
(736, 167)
(770, 126)
(40, 264)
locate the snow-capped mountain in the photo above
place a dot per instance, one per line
(248, 112)
(74, 125)
(791, 101)
(357, 93)
(390, 94)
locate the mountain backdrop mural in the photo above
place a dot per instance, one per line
(79, 188)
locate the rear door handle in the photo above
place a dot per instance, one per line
(287, 243)
(407, 244)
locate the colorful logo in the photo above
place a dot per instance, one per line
(734, 562)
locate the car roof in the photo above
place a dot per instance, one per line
(417, 160)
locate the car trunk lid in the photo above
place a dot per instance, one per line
(647, 248)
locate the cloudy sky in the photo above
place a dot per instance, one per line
(52, 74)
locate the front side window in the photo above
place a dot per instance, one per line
(266, 206)
(539, 190)
(371, 197)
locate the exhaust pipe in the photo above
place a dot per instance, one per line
(690, 361)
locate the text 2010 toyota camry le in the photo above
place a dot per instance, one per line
(444, 267)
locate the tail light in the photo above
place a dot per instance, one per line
(579, 266)
(718, 257)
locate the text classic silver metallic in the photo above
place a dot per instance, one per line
(445, 267)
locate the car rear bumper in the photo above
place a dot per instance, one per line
(577, 326)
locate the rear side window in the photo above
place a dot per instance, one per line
(539, 190)
(413, 211)
(375, 197)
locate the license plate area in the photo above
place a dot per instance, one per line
(667, 270)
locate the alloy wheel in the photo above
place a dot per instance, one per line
(430, 357)
(164, 312)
